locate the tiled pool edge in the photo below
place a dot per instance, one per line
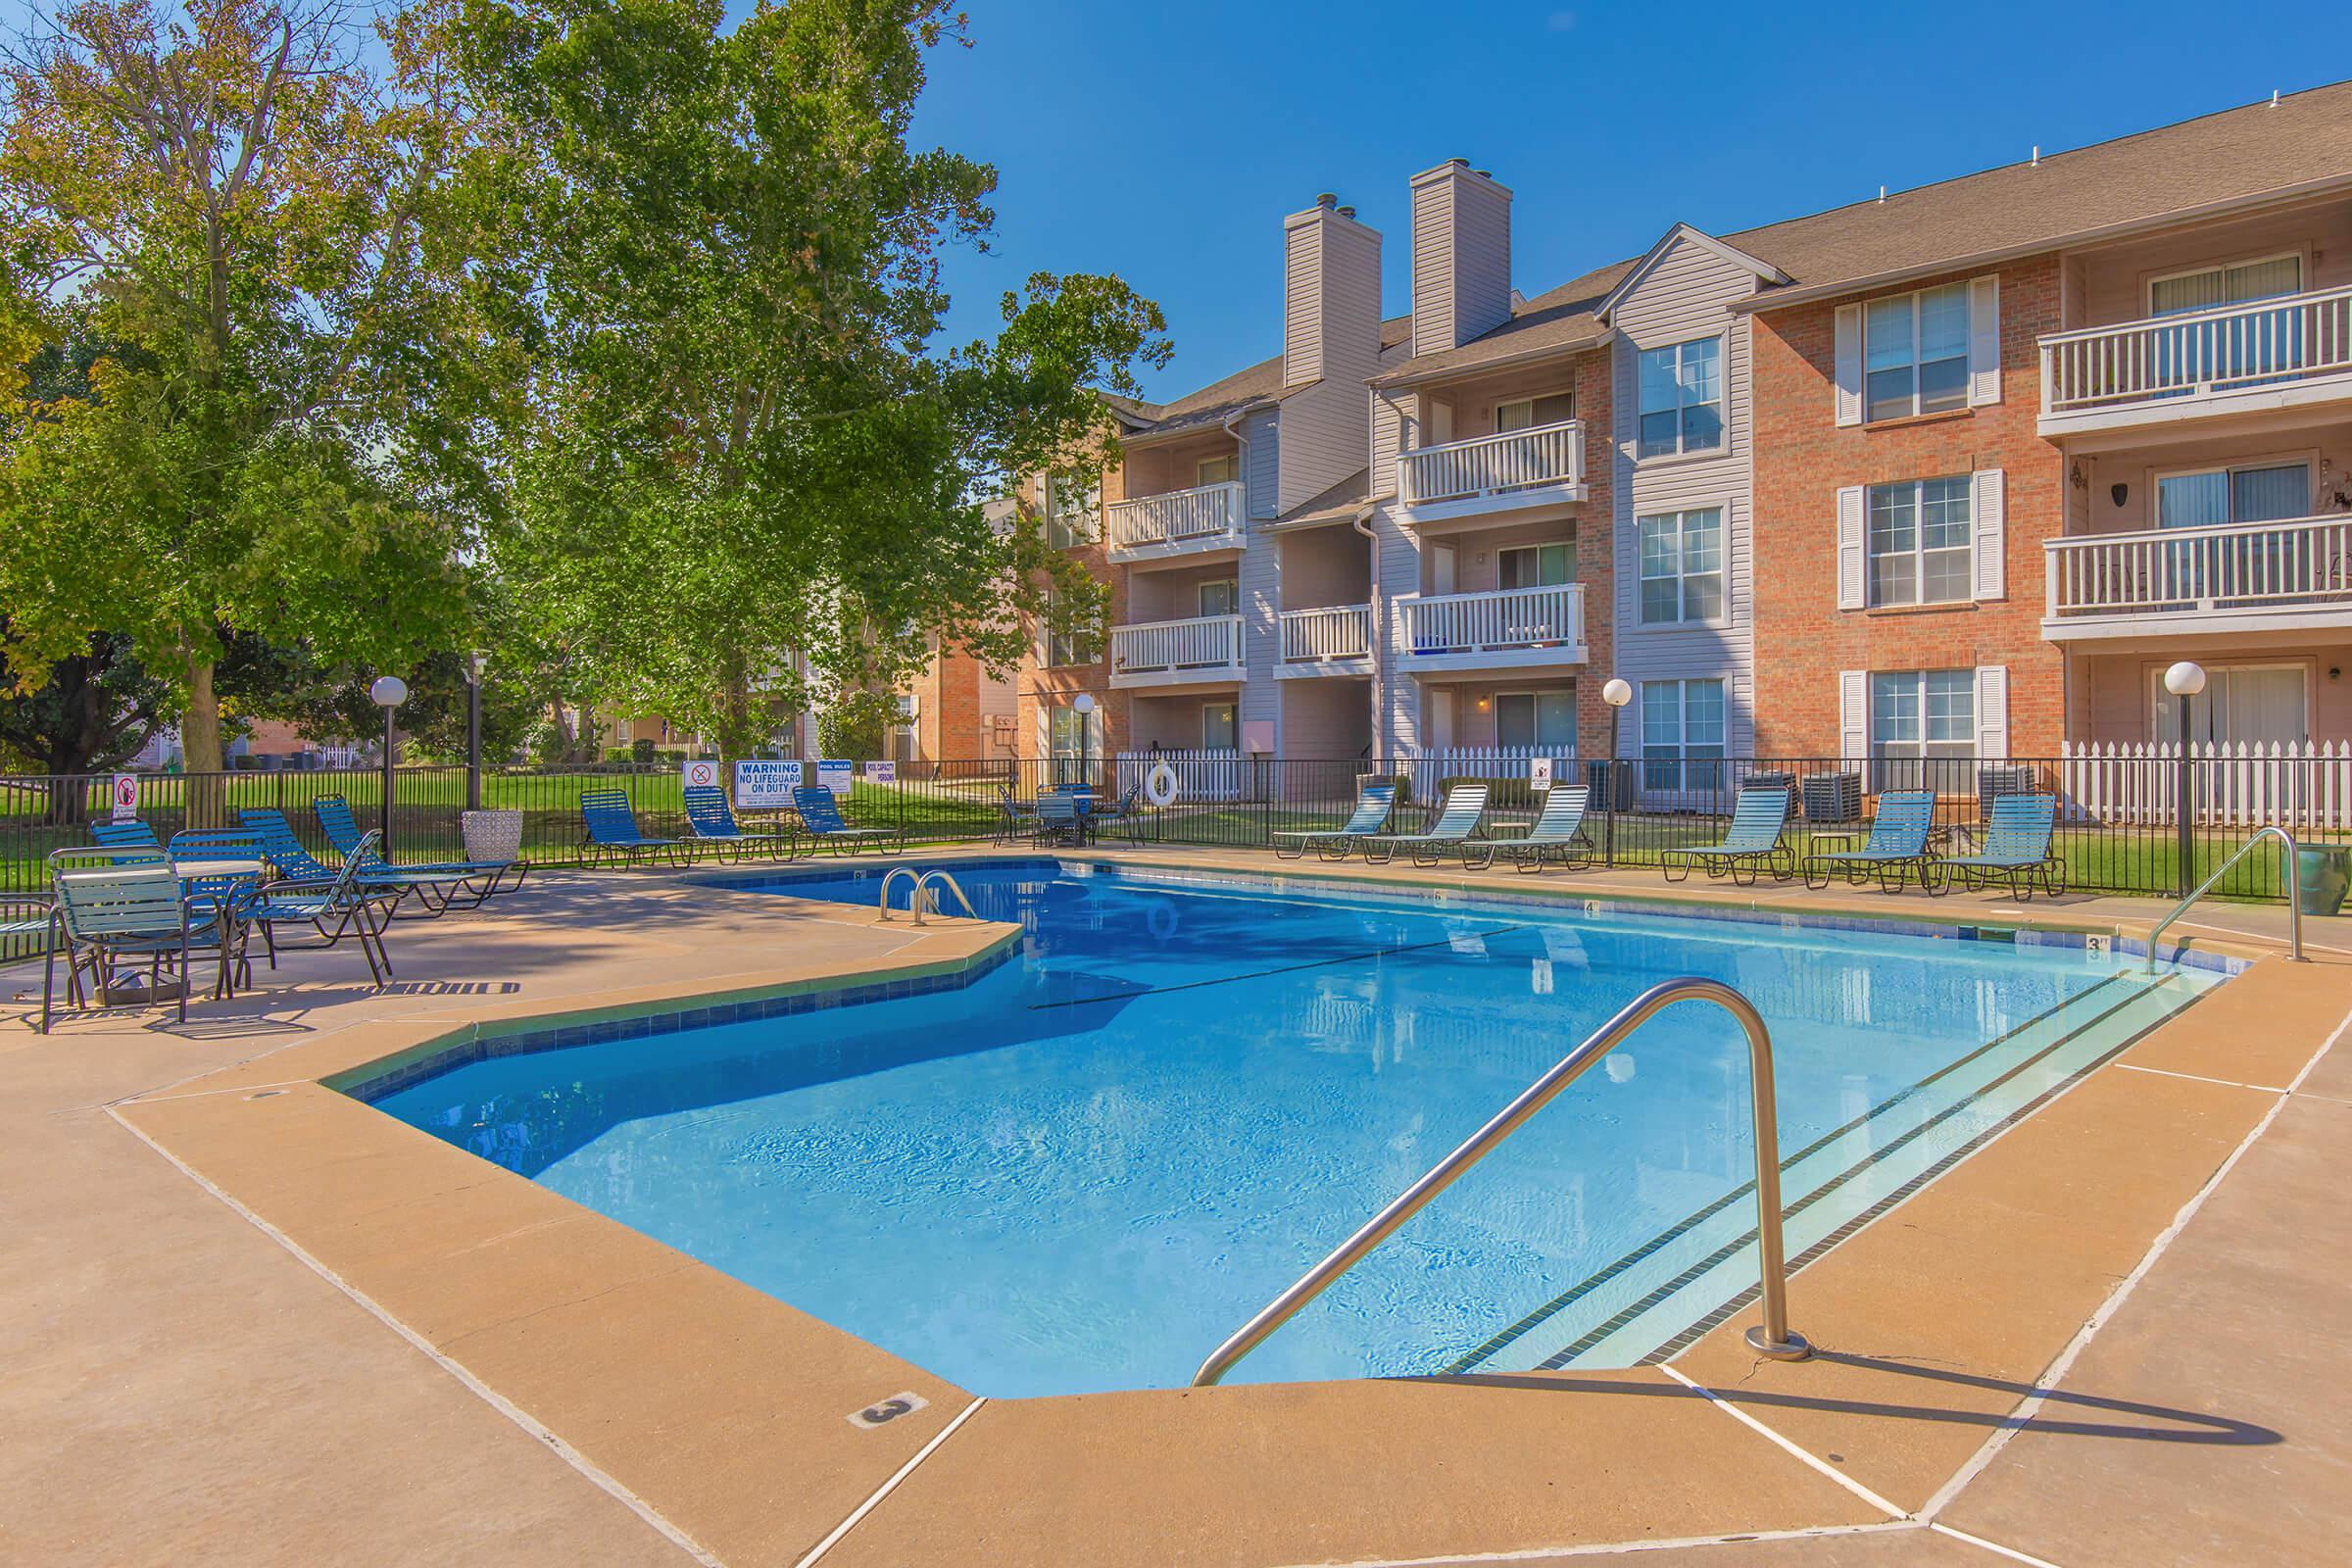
(475, 1040)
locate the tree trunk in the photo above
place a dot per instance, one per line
(200, 747)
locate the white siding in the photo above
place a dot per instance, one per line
(1391, 415)
(1262, 433)
(1461, 257)
(1682, 296)
(1325, 424)
(1260, 584)
(1399, 575)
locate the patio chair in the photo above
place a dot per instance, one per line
(1753, 843)
(213, 899)
(1059, 818)
(611, 836)
(1897, 846)
(114, 905)
(131, 835)
(447, 884)
(24, 916)
(1125, 818)
(1015, 816)
(821, 817)
(291, 862)
(1464, 810)
(712, 818)
(1373, 804)
(1558, 833)
(345, 903)
(2016, 851)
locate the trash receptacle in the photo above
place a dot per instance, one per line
(2321, 872)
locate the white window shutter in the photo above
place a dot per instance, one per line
(1985, 340)
(1986, 502)
(1852, 555)
(1993, 713)
(1854, 714)
(1850, 364)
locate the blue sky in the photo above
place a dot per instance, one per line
(1165, 142)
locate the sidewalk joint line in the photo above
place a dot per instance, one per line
(1618, 1548)
(1994, 1546)
(2200, 1078)
(888, 1486)
(1809, 1459)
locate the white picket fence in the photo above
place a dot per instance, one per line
(1209, 774)
(2235, 784)
(1429, 769)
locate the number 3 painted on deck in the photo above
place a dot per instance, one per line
(888, 1410)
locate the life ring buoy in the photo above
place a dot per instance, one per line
(1160, 785)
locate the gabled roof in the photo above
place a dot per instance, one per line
(1684, 234)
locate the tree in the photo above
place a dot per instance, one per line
(88, 713)
(278, 432)
(749, 470)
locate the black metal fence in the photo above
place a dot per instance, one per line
(1640, 809)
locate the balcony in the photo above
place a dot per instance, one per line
(1494, 478)
(2255, 358)
(1511, 628)
(1332, 641)
(2247, 576)
(1199, 522)
(1204, 651)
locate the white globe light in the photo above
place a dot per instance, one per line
(2185, 679)
(1085, 703)
(1616, 694)
(389, 691)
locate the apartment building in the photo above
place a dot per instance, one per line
(1955, 474)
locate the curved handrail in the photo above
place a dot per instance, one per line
(2286, 879)
(925, 886)
(1771, 1338)
(914, 900)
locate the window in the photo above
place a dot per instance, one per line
(2262, 705)
(1682, 567)
(1681, 734)
(1069, 507)
(2210, 497)
(1525, 413)
(1075, 646)
(1923, 729)
(1538, 566)
(1682, 398)
(1915, 353)
(2235, 284)
(1226, 470)
(1545, 719)
(1220, 596)
(1068, 734)
(1919, 542)
(1220, 728)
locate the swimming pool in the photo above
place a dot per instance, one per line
(1083, 1169)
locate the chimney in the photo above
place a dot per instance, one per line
(1329, 295)
(1461, 256)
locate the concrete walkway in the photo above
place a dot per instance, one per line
(185, 1389)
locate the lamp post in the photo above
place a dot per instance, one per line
(1084, 707)
(473, 729)
(2184, 681)
(388, 692)
(1616, 694)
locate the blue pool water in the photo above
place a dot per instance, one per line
(1083, 1170)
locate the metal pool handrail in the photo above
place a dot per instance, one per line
(926, 885)
(914, 899)
(1771, 1339)
(2286, 879)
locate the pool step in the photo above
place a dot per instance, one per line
(1643, 1306)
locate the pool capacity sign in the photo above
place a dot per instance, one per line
(763, 786)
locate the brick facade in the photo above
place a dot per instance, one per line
(1041, 687)
(1803, 456)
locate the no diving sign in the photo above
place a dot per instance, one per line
(126, 797)
(701, 775)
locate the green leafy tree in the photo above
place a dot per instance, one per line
(278, 432)
(89, 711)
(750, 470)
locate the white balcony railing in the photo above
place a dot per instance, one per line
(2191, 572)
(1547, 457)
(1205, 644)
(1342, 631)
(1499, 622)
(1202, 514)
(2297, 337)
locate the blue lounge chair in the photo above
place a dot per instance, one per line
(1465, 809)
(292, 863)
(712, 818)
(1373, 804)
(612, 837)
(349, 901)
(1753, 843)
(822, 819)
(1558, 834)
(131, 835)
(1898, 845)
(2016, 852)
(440, 884)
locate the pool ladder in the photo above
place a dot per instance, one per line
(926, 892)
(1771, 1338)
(2286, 879)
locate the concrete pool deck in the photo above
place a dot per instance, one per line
(257, 1321)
